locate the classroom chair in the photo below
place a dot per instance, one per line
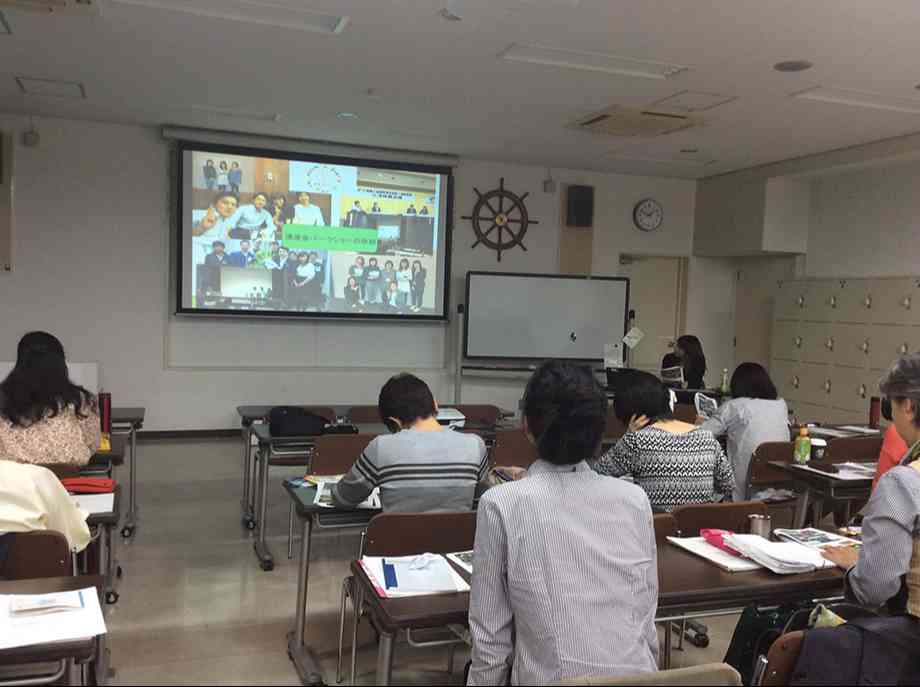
(32, 555)
(724, 516)
(512, 448)
(479, 414)
(333, 454)
(364, 414)
(762, 475)
(853, 450)
(614, 428)
(665, 526)
(706, 674)
(325, 412)
(685, 412)
(776, 667)
(405, 534)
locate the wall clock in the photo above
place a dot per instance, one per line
(500, 219)
(648, 214)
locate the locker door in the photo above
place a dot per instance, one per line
(851, 303)
(821, 301)
(850, 344)
(894, 301)
(816, 384)
(790, 300)
(786, 377)
(809, 412)
(887, 344)
(817, 342)
(851, 390)
(786, 342)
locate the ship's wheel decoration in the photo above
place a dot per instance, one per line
(500, 219)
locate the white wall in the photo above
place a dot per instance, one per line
(92, 247)
(866, 223)
(711, 312)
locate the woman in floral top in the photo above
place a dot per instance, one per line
(44, 418)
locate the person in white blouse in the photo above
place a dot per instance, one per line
(32, 498)
(306, 213)
(404, 282)
(252, 218)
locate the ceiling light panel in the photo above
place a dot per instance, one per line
(51, 87)
(250, 11)
(591, 61)
(873, 101)
(686, 102)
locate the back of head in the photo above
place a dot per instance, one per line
(751, 380)
(902, 381)
(406, 398)
(694, 359)
(646, 395)
(39, 383)
(566, 412)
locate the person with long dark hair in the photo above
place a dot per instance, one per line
(755, 415)
(590, 539)
(419, 275)
(44, 417)
(690, 351)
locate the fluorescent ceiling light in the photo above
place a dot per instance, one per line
(873, 101)
(251, 11)
(591, 61)
(51, 87)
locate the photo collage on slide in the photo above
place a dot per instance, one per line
(287, 235)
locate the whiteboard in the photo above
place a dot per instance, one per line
(538, 316)
(81, 374)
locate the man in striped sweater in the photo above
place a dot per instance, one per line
(422, 466)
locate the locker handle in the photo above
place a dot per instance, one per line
(832, 301)
(903, 350)
(829, 344)
(795, 382)
(865, 347)
(798, 342)
(862, 390)
(868, 302)
(906, 302)
(827, 386)
(800, 301)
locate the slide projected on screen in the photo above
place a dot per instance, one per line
(268, 233)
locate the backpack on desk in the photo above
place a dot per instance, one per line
(293, 421)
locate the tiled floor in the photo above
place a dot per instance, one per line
(195, 607)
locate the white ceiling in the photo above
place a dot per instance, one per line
(439, 86)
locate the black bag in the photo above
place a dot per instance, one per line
(755, 632)
(293, 421)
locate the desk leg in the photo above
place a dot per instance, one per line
(246, 500)
(801, 508)
(266, 561)
(305, 661)
(666, 651)
(385, 658)
(131, 520)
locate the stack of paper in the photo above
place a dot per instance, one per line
(42, 619)
(700, 547)
(814, 539)
(91, 504)
(464, 559)
(784, 558)
(420, 575)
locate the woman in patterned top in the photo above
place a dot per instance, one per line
(44, 417)
(674, 462)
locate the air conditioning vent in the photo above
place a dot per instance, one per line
(627, 123)
(74, 7)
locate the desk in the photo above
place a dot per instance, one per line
(687, 585)
(65, 653)
(310, 515)
(817, 486)
(128, 421)
(103, 461)
(104, 523)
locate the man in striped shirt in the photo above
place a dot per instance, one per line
(421, 467)
(565, 574)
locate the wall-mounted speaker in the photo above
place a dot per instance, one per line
(579, 208)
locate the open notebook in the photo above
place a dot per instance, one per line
(419, 575)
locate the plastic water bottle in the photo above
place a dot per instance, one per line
(725, 387)
(802, 451)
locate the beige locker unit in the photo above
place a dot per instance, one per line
(817, 342)
(821, 301)
(851, 344)
(815, 383)
(786, 341)
(853, 300)
(809, 412)
(790, 300)
(895, 301)
(888, 343)
(852, 389)
(841, 416)
(785, 376)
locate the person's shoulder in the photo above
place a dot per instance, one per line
(36, 474)
(898, 479)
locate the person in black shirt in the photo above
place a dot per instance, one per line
(419, 274)
(352, 294)
(411, 209)
(210, 175)
(424, 210)
(373, 287)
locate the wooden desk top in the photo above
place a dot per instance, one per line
(686, 583)
(328, 517)
(107, 519)
(81, 650)
(129, 416)
(820, 479)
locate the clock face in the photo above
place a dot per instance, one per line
(648, 214)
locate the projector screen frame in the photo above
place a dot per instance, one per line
(182, 146)
(581, 277)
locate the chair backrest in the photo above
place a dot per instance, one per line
(760, 472)
(369, 414)
(480, 414)
(685, 413)
(665, 526)
(707, 674)
(405, 534)
(334, 454)
(30, 555)
(782, 657)
(723, 516)
(325, 412)
(513, 448)
(853, 450)
(614, 429)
